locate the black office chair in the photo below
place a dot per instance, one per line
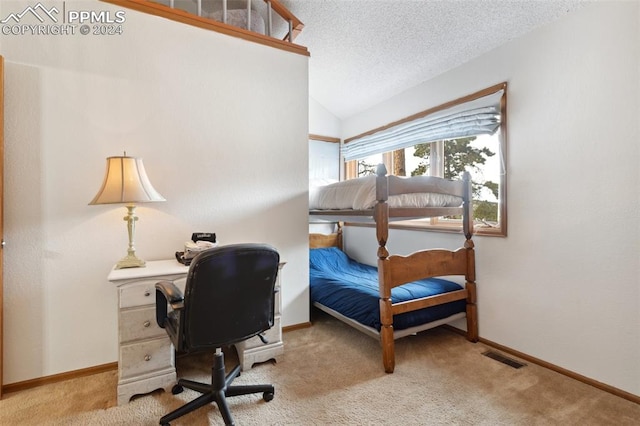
(229, 297)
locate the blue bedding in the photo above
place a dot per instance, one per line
(351, 288)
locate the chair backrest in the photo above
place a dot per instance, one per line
(229, 295)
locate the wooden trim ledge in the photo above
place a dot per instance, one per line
(28, 384)
(55, 378)
(586, 380)
(296, 326)
(323, 138)
(112, 366)
(207, 24)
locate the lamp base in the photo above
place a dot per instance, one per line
(130, 261)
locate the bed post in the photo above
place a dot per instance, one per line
(470, 276)
(381, 213)
(339, 235)
(467, 211)
(470, 285)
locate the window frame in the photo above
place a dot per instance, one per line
(436, 224)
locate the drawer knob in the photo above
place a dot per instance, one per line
(147, 293)
(147, 323)
(147, 357)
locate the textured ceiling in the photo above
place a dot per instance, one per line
(365, 51)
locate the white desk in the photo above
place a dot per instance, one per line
(146, 358)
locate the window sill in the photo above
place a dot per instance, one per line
(479, 230)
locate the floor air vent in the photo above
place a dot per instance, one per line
(503, 359)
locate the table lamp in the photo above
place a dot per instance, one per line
(126, 182)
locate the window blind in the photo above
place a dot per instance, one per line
(476, 117)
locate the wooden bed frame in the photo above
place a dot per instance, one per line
(395, 270)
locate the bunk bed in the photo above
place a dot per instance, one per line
(409, 310)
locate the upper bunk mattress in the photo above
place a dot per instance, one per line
(360, 194)
(351, 288)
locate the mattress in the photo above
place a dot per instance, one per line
(360, 194)
(351, 288)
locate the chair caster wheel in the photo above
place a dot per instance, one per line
(175, 390)
(267, 396)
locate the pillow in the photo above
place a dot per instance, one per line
(345, 194)
(327, 258)
(366, 196)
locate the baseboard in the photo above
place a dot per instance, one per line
(586, 380)
(296, 326)
(55, 378)
(28, 384)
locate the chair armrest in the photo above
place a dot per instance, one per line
(170, 291)
(167, 293)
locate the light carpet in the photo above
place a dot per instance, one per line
(331, 374)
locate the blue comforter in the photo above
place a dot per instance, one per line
(351, 288)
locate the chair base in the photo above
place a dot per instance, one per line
(218, 391)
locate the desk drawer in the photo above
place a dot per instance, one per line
(144, 357)
(138, 294)
(143, 292)
(138, 324)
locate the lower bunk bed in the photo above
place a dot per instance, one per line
(403, 294)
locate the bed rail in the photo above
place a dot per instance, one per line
(398, 185)
(427, 302)
(192, 13)
(423, 264)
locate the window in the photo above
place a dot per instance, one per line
(480, 150)
(324, 164)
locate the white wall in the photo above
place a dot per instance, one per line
(322, 122)
(210, 114)
(564, 285)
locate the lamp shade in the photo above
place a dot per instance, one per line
(126, 182)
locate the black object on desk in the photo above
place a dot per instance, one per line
(196, 236)
(203, 236)
(180, 258)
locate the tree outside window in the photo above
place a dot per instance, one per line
(479, 155)
(467, 134)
